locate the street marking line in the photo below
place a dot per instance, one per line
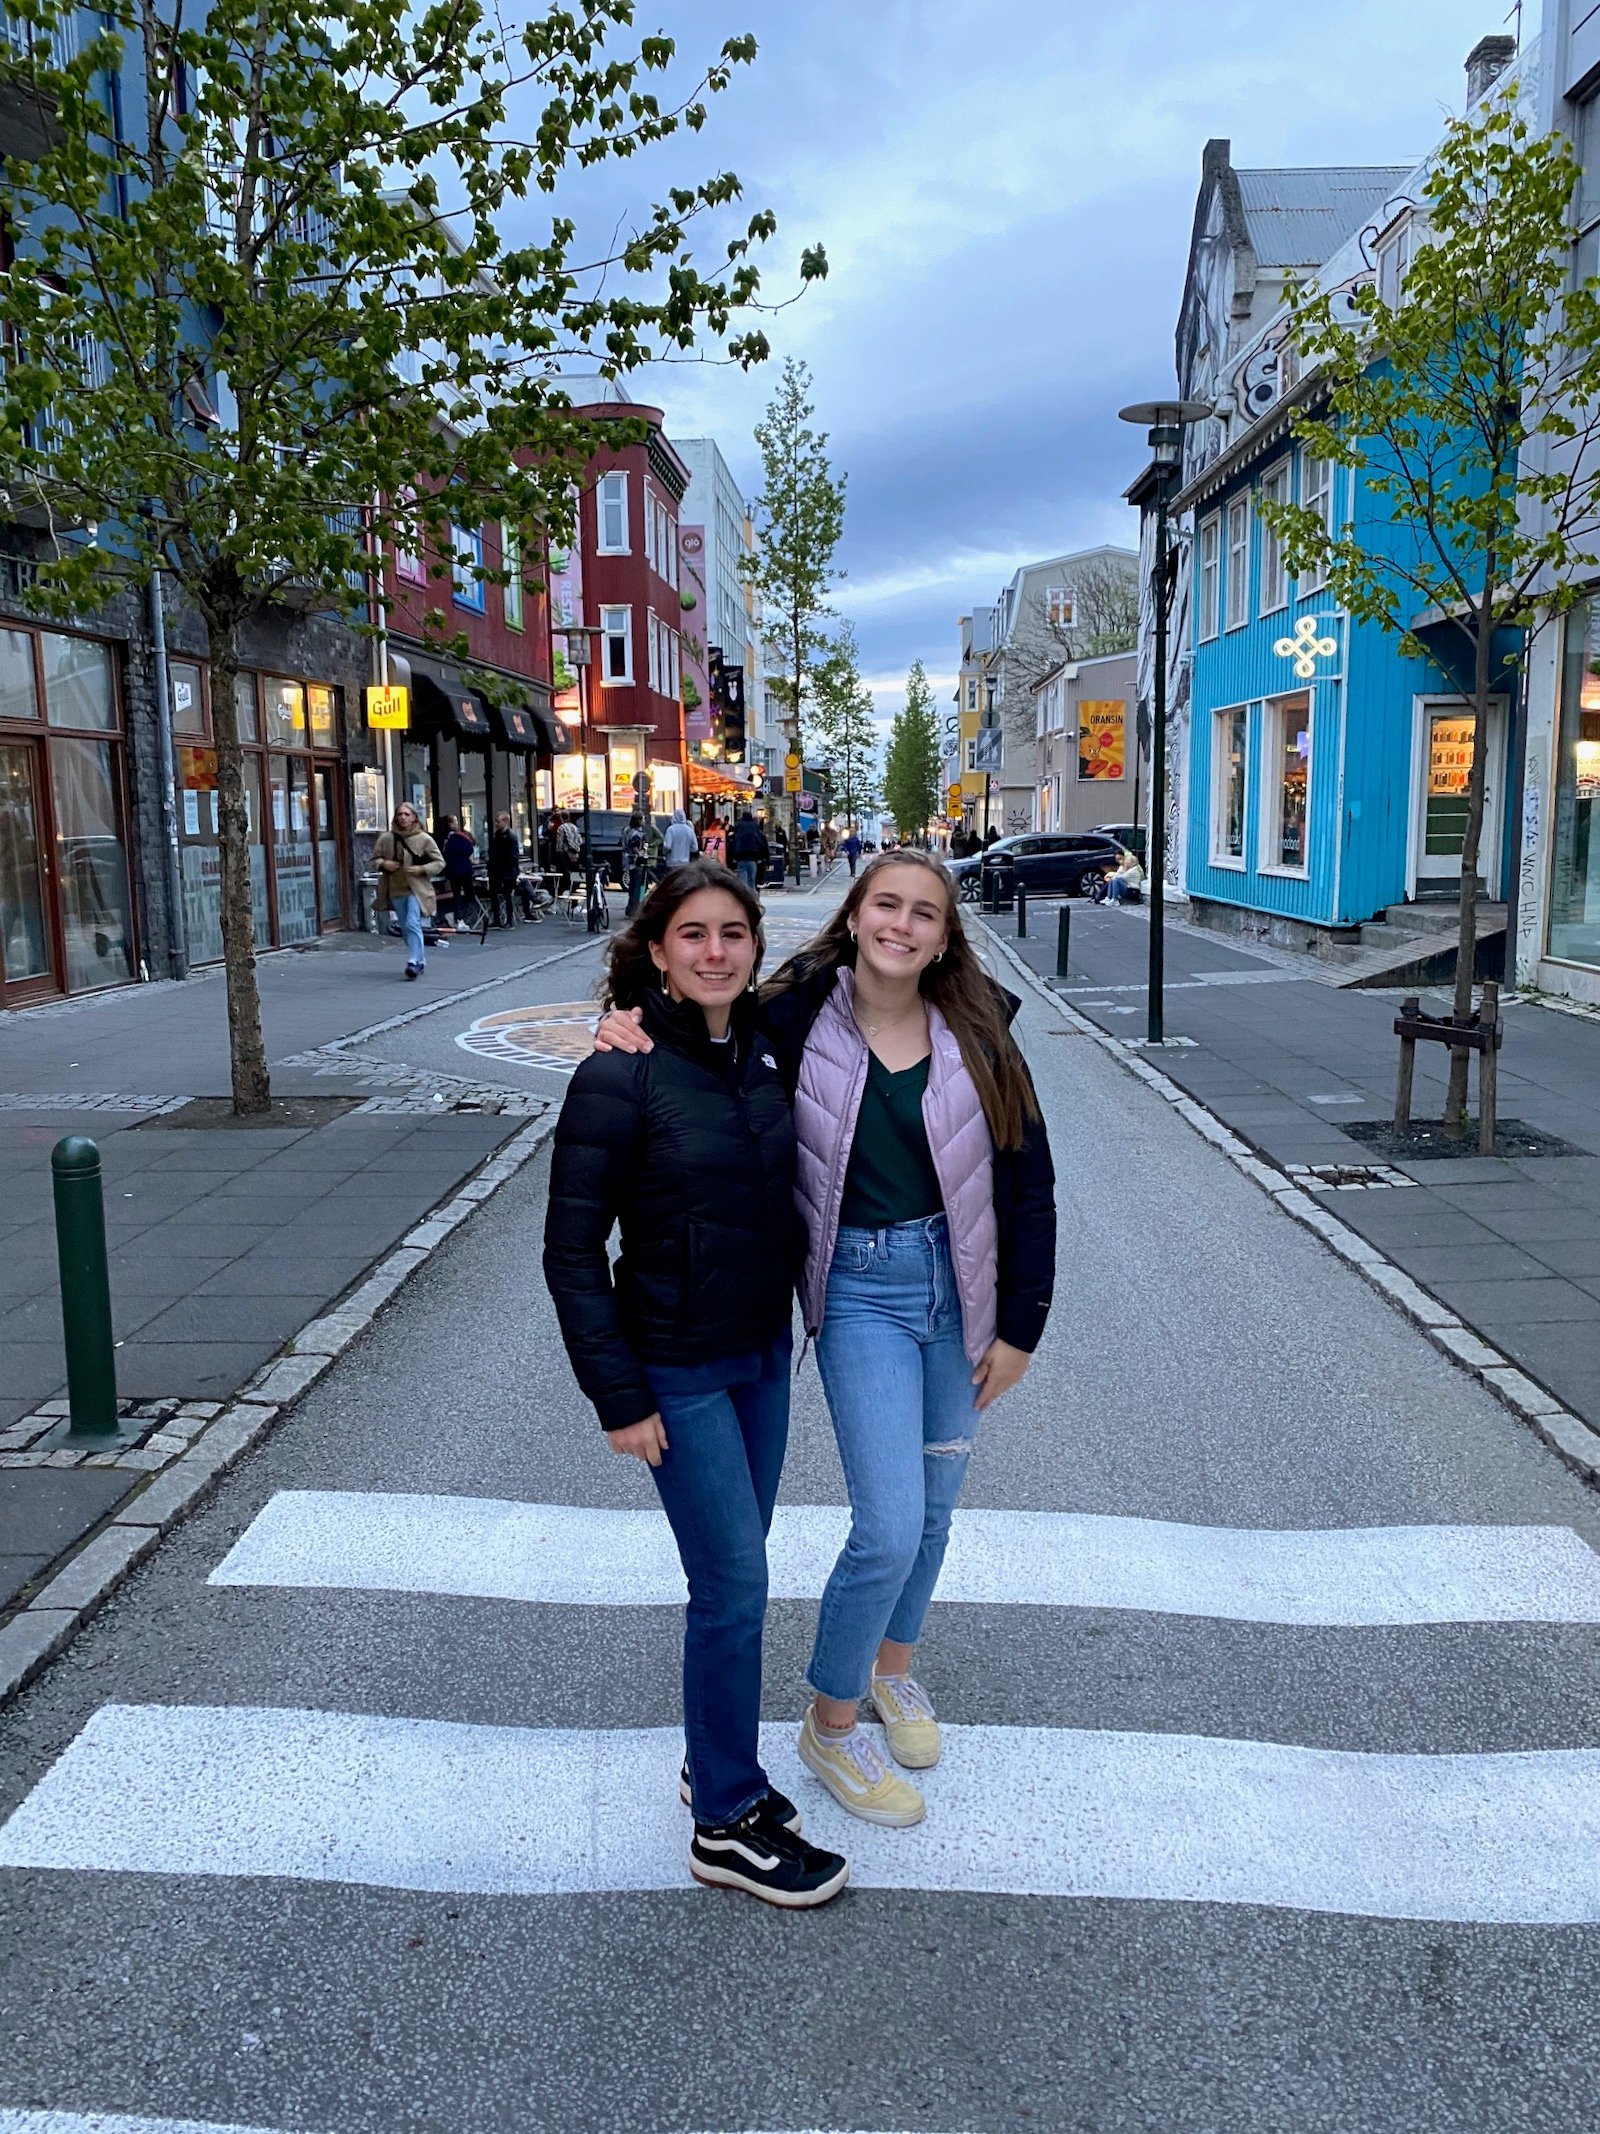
(493, 1549)
(14, 2122)
(427, 1804)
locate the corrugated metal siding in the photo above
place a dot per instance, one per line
(1299, 218)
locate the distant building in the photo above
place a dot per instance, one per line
(628, 543)
(1091, 768)
(1042, 617)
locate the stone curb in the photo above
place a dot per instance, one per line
(1566, 1434)
(82, 1584)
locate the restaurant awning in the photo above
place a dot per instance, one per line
(531, 728)
(444, 704)
(713, 784)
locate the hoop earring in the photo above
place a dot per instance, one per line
(940, 957)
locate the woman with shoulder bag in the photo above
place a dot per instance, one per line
(409, 863)
(929, 1196)
(684, 1348)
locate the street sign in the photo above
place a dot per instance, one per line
(793, 774)
(954, 798)
(988, 749)
(389, 708)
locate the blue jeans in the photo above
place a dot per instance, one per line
(746, 870)
(409, 912)
(727, 1426)
(899, 1386)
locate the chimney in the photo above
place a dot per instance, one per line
(1486, 62)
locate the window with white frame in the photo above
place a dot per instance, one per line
(1316, 494)
(652, 638)
(1058, 607)
(1286, 784)
(616, 645)
(1238, 563)
(1274, 577)
(408, 546)
(1397, 248)
(972, 692)
(511, 555)
(1210, 576)
(1586, 201)
(674, 672)
(612, 510)
(466, 567)
(1230, 731)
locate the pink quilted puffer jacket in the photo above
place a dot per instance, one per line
(833, 1074)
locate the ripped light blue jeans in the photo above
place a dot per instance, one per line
(900, 1390)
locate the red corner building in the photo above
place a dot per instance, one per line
(628, 542)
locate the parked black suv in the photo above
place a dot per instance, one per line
(1048, 863)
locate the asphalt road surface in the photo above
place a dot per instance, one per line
(1272, 1795)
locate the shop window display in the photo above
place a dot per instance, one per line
(1574, 930)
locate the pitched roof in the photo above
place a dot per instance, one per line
(1299, 218)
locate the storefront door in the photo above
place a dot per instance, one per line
(293, 851)
(1446, 739)
(330, 871)
(27, 961)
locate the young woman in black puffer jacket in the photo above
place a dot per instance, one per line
(684, 1348)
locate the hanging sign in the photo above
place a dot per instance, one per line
(388, 708)
(1102, 744)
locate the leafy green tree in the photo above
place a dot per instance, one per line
(270, 324)
(914, 763)
(842, 729)
(1471, 405)
(799, 517)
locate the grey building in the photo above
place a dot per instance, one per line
(1065, 608)
(1093, 768)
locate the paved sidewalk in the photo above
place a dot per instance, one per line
(1510, 1244)
(224, 1243)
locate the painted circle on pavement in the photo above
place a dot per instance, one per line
(556, 1035)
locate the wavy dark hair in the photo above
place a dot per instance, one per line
(958, 985)
(630, 973)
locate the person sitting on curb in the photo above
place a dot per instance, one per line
(1126, 883)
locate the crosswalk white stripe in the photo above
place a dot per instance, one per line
(14, 2122)
(1030, 1811)
(503, 1550)
(17, 2122)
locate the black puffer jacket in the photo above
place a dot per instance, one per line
(1024, 1178)
(696, 1161)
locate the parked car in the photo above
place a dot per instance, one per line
(1130, 835)
(1046, 863)
(607, 828)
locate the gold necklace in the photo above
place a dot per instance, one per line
(877, 1029)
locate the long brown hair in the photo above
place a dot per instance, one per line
(958, 986)
(630, 971)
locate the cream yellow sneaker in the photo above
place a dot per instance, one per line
(854, 1772)
(908, 1721)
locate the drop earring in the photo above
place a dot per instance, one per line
(664, 985)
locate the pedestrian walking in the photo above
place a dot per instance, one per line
(685, 1348)
(851, 848)
(780, 855)
(460, 856)
(634, 862)
(569, 851)
(505, 869)
(409, 863)
(929, 1197)
(748, 849)
(680, 843)
(830, 846)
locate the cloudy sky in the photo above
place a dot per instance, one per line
(1005, 190)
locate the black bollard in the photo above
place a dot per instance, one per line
(1063, 939)
(1022, 911)
(85, 1287)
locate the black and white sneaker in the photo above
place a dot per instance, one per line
(759, 1855)
(778, 1805)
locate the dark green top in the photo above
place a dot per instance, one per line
(891, 1178)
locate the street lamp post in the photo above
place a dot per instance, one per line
(579, 655)
(1165, 421)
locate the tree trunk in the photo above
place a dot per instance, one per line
(247, 1050)
(1455, 1103)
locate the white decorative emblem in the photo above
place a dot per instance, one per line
(1305, 648)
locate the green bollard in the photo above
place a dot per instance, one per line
(85, 1287)
(1063, 940)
